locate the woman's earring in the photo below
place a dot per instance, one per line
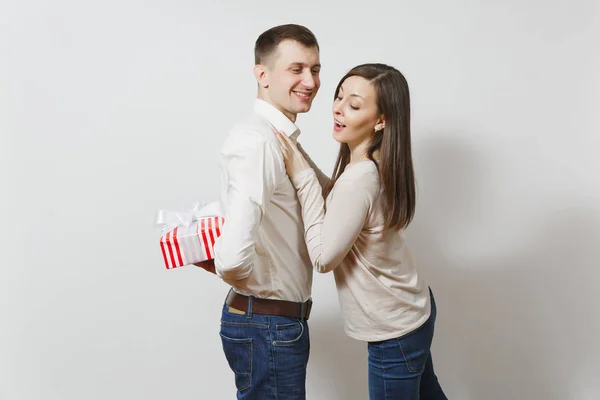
(379, 127)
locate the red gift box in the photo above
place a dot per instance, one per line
(188, 244)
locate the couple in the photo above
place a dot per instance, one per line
(284, 217)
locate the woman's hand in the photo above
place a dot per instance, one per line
(293, 158)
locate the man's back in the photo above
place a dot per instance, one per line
(262, 252)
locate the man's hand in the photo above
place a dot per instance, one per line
(208, 265)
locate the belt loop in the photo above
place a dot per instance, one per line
(305, 309)
(249, 312)
(229, 294)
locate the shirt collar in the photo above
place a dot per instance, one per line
(276, 118)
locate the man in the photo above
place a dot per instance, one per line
(261, 251)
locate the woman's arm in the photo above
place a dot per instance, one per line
(330, 236)
(323, 179)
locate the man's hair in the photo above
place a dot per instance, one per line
(267, 42)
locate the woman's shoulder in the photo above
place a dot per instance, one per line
(361, 170)
(363, 174)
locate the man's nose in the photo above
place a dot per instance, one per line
(309, 80)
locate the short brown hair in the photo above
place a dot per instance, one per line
(267, 42)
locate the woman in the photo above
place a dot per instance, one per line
(358, 231)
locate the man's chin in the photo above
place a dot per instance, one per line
(302, 108)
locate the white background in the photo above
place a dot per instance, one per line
(111, 110)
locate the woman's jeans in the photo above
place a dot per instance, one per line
(402, 369)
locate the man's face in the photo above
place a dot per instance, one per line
(292, 77)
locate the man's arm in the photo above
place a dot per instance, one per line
(253, 169)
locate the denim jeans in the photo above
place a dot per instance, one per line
(268, 354)
(402, 368)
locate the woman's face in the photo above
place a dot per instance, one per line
(355, 112)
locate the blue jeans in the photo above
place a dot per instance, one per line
(402, 368)
(268, 354)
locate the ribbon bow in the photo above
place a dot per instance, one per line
(167, 219)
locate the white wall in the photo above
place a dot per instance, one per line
(111, 110)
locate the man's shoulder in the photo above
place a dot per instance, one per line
(254, 130)
(254, 124)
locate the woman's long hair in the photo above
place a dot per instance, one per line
(395, 165)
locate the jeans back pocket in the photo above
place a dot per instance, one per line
(239, 356)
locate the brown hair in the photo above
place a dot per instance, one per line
(393, 142)
(267, 42)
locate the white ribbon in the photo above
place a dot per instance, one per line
(167, 219)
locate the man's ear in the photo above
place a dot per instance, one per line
(261, 75)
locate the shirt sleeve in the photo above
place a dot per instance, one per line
(253, 167)
(330, 236)
(321, 177)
